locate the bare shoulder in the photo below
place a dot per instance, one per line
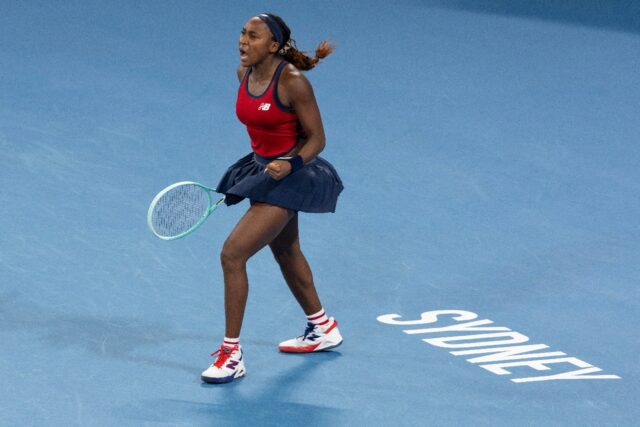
(295, 82)
(240, 71)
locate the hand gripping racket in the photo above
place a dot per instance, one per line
(180, 209)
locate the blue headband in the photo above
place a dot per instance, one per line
(275, 28)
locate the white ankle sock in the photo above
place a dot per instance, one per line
(320, 318)
(231, 342)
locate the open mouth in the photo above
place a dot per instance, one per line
(243, 54)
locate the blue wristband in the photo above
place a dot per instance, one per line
(296, 163)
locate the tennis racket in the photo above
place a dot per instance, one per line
(180, 209)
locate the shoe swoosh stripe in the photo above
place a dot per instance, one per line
(332, 327)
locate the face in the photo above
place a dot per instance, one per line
(256, 42)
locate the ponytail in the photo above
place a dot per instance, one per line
(298, 58)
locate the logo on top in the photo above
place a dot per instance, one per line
(264, 106)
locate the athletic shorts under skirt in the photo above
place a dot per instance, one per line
(314, 188)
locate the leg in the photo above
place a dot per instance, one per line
(294, 266)
(257, 228)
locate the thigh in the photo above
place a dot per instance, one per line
(287, 239)
(257, 228)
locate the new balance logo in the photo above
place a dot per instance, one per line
(264, 106)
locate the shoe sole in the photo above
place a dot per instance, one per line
(302, 351)
(332, 346)
(223, 380)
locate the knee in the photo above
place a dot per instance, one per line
(231, 257)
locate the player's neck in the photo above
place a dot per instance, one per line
(264, 70)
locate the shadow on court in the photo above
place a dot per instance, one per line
(115, 338)
(275, 404)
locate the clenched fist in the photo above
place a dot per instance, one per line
(278, 169)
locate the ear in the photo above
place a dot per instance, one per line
(274, 47)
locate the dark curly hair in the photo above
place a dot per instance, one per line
(298, 58)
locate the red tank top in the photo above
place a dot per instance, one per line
(273, 128)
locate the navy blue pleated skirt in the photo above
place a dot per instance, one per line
(314, 188)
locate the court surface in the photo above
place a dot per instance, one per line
(490, 156)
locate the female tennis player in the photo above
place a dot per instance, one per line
(282, 176)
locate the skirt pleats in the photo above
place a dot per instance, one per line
(314, 188)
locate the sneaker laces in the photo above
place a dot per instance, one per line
(224, 353)
(310, 328)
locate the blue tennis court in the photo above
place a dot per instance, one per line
(483, 262)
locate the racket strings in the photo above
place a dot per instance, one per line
(180, 209)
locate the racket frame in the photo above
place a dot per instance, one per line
(212, 207)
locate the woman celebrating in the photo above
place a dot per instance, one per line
(282, 176)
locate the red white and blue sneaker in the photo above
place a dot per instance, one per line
(315, 338)
(227, 367)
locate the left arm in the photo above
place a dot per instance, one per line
(298, 93)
